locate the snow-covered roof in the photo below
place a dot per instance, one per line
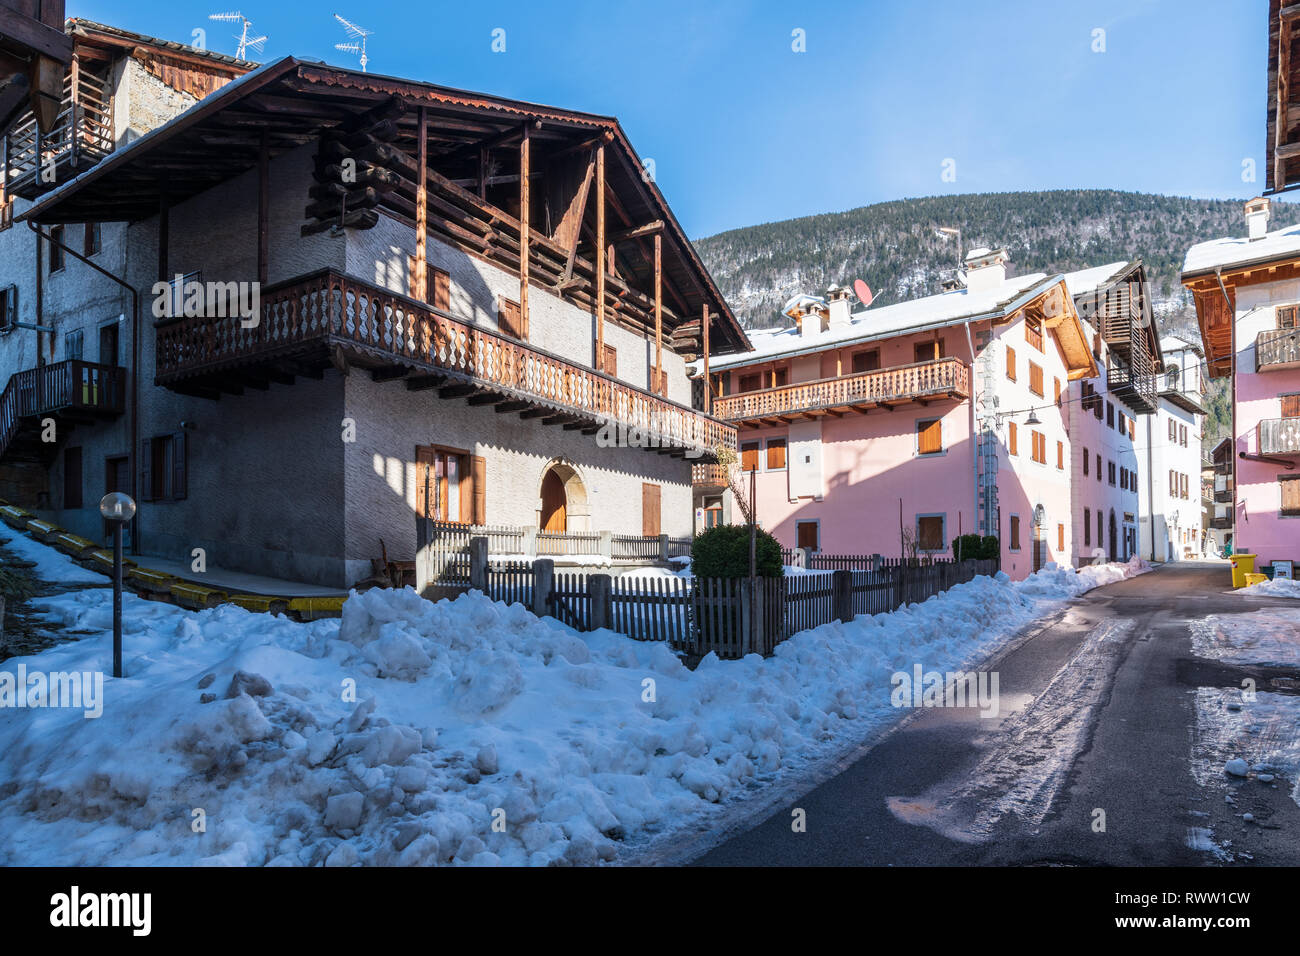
(915, 315)
(1176, 343)
(1090, 280)
(1239, 251)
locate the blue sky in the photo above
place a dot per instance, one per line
(745, 130)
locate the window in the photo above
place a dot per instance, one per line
(74, 344)
(1173, 483)
(1110, 415)
(1099, 537)
(1132, 429)
(177, 293)
(1172, 378)
(1290, 405)
(437, 286)
(510, 319)
(749, 456)
(780, 377)
(929, 436)
(1173, 430)
(929, 533)
(1099, 466)
(1060, 538)
(928, 351)
(1036, 379)
(164, 467)
(1110, 473)
(1087, 527)
(1091, 401)
(451, 485)
(1013, 537)
(72, 477)
(56, 251)
(1011, 438)
(1011, 363)
(775, 454)
(1060, 455)
(1085, 462)
(1182, 435)
(609, 361)
(1286, 317)
(1034, 332)
(92, 239)
(712, 512)
(751, 382)
(6, 210)
(1056, 390)
(1182, 487)
(868, 361)
(1038, 449)
(651, 507)
(8, 307)
(1289, 486)
(807, 535)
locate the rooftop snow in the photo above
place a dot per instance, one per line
(946, 308)
(1089, 280)
(1238, 250)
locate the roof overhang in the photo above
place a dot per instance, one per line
(1057, 308)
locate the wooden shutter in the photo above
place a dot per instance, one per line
(478, 477)
(1060, 455)
(868, 361)
(1086, 456)
(1182, 485)
(650, 497)
(806, 535)
(929, 437)
(749, 383)
(1060, 537)
(1132, 428)
(180, 473)
(929, 533)
(775, 453)
(510, 319)
(1011, 438)
(1087, 527)
(1011, 363)
(423, 480)
(1286, 317)
(10, 315)
(1035, 379)
(1015, 532)
(1291, 406)
(1289, 486)
(749, 456)
(780, 377)
(609, 361)
(146, 469)
(1056, 390)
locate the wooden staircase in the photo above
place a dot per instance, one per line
(71, 392)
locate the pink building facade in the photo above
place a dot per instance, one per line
(1247, 293)
(892, 430)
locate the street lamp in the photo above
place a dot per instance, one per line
(118, 508)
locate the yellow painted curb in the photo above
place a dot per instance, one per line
(156, 582)
(196, 597)
(102, 560)
(72, 544)
(311, 608)
(260, 603)
(16, 517)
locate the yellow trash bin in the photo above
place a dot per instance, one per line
(1253, 579)
(1242, 565)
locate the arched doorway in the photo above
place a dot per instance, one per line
(562, 499)
(554, 504)
(1040, 545)
(1113, 542)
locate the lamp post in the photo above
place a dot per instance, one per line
(119, 508)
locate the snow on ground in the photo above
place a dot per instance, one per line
(1278, 587)
(1270, 637)
(464, 731)
(51, 565)
(1263, 734)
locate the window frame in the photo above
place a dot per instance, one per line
(943, 532)
(817, 531)
(917, 427)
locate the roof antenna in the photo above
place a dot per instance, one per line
(356, 32)
(245, 41)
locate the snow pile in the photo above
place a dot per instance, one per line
(1254, 740)
(466, 731)
(1266, 637)
(1277, 587)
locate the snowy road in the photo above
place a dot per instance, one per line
(1118, 716)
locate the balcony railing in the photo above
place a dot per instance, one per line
(83, 131)
(709, 476)
(1220, 524)
(1277, 349)
(69, 387)
(1278, 436)
(944, 378)
(310, 316)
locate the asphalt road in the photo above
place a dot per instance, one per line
(1098, 713)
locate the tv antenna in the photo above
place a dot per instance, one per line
(245, 41)
(357, 33)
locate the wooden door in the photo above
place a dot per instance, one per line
(554, 503)
(650, 496)
(1113, 542)
(117, 477)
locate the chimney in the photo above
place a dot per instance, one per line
(985, 269)
(839, 308)
(813, 320)
(1257, 217)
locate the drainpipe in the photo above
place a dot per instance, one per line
(1232, 374)
(1151, 491)
(974, 438)
(134, 404)
(1266, 459)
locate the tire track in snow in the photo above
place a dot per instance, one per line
(1031, 753)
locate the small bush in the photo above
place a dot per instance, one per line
(973, 547)
(992, 550)
(723, 552)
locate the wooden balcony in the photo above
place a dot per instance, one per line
(709, 476)
(72, 391)
(1277, 350)
(329, 318)
(922, 383)
(82, 136)
(1278, 436)
(1221, 524)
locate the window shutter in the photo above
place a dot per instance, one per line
(1291, 406)
(609, 363)
(1087, 527)
(146, 469)
(1060, 455)
(11, 307)
(775, 453)
(1286, 317)
(72, 477)
(440, 296)
(508, 319)
(1060, 537)
(650, 509)
(929, 437)
(1289, 485)
(1015, 531)
(179, 469)
(806, 534)
(1056, 390)
(1132, 428)
(749, 456)
(1011, 363)
(478, 472)
(1011, 438)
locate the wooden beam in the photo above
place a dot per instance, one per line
(1283, 96)
(418, 282)
(708, 386)
(638, 232)
(599, 364)
(525, 221)
(263, 210)
(656, 386)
